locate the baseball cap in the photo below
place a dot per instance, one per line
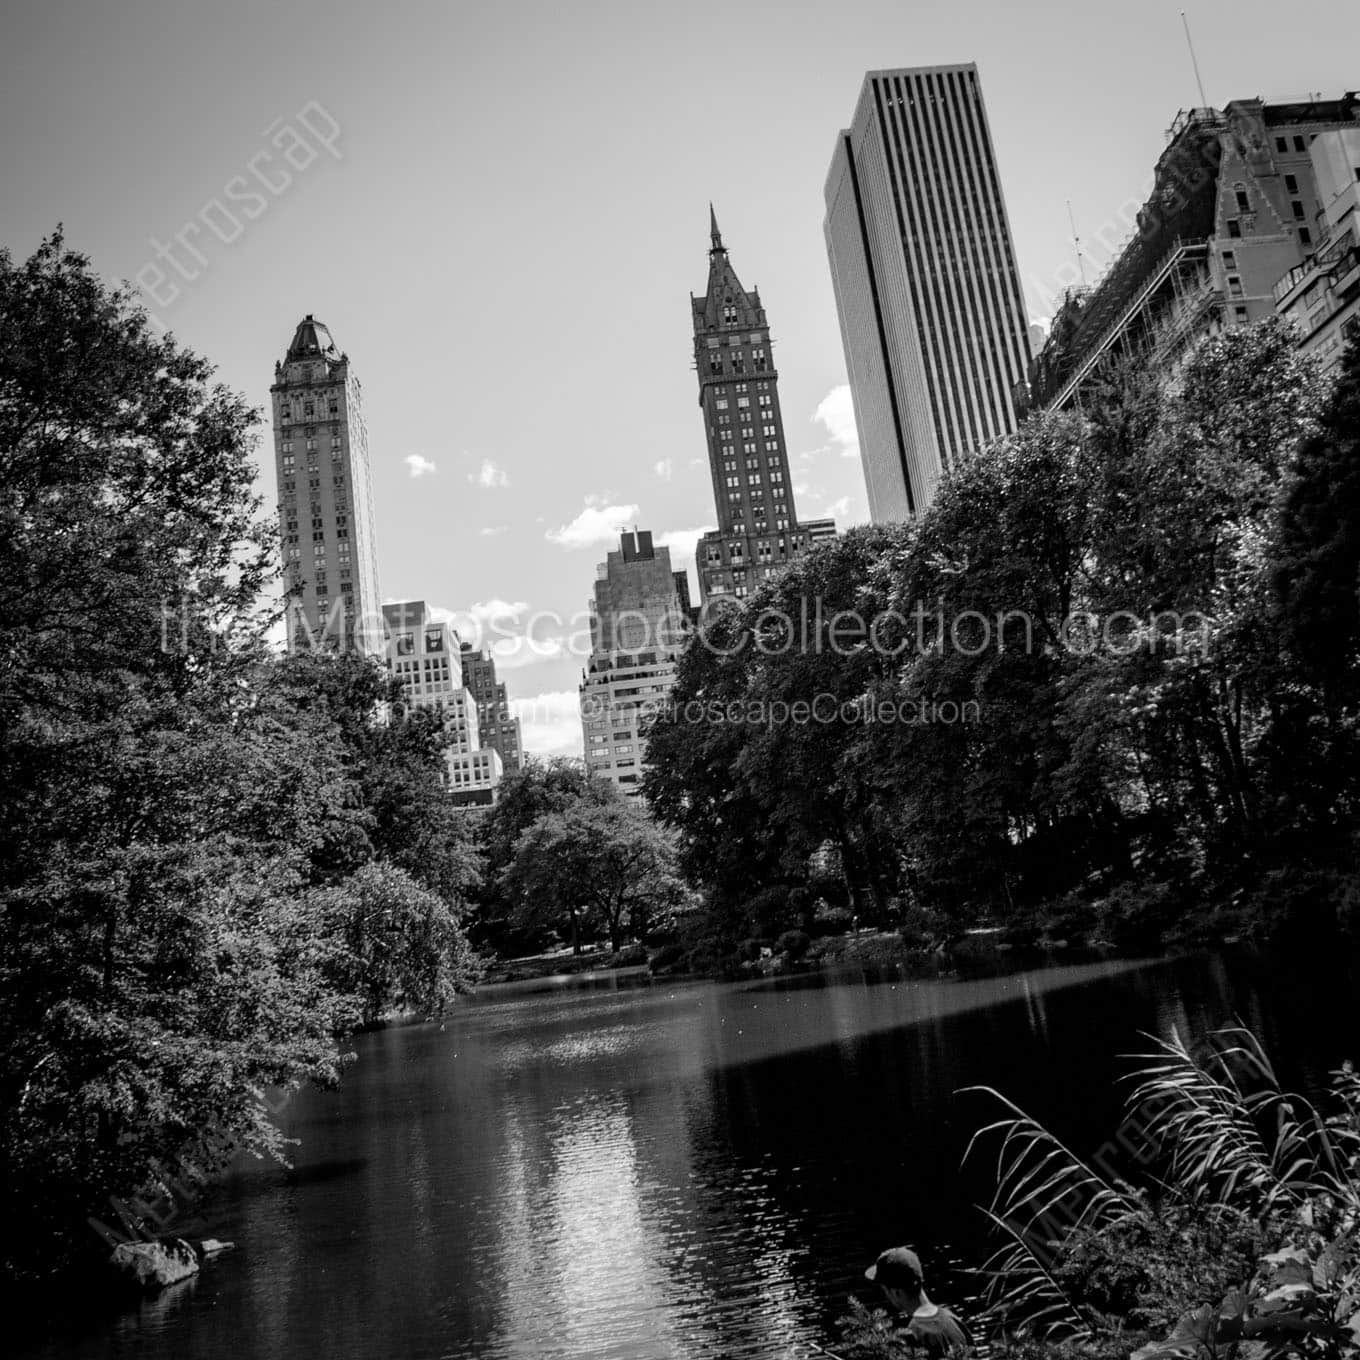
(897, 1268)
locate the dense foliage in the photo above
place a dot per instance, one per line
(214, 862)
(606, 868)
(1112, 671)
(1223, 1218)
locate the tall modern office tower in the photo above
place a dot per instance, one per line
(758, 528)
(638, 618)
(325, 496)
(499, 729)
(935, 334)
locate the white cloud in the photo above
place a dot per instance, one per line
(552, 722)
(516, 635)
(664, 468)
(489, 476)
(492, 530)
(836, 415)
(838, 509)
(419, 466)
(682, 543)
(596, 524)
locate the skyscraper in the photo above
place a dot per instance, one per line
(1253, 212)
(325, 496)
(637, 622)
(426, 655)
(499, 729)
(934, 328)
(758, 528)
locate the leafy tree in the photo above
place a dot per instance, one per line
(594, 865)
(159, 807)
(1315, 565)
(525, 795)
(393, 756)
(402, 945)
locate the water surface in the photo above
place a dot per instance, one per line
(687, 1170)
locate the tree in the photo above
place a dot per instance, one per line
(402, 945)
(159, 806)
(1317, 554)
(525, 795)
(607, 865)
(394, 756)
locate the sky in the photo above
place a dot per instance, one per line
(499, 211)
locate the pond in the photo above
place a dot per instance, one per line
(607, 1168)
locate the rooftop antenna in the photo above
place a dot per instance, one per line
(1189, 42)
(1076, 241)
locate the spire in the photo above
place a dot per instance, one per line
(714, 234)
(312, 340)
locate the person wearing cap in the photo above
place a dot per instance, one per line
(898, 1273)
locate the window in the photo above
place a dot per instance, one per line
(1281, 144)
(721, 404)
(715, 364)
(743, 402)
(767, 430)
(729, 315)
(749, 447)
(748, 431)
(1297, 208)
(1229, 260)
(766, 399)
(1291, 184)
(1305, 236)
(1299, 144)
(1234, 285)
(758, 360)
(1240, 313)
(1234, 227)
(1243, 202)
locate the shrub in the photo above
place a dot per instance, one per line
(1257, 1203)
(1137, 915)
(793, 944)
(831, 920)
(769, 911)
(922, 927)
(667, 959)
(630, 956)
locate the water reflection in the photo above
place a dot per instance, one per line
(670, 1171)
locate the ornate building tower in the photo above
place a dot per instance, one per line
(325, 496)
(758, 529)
